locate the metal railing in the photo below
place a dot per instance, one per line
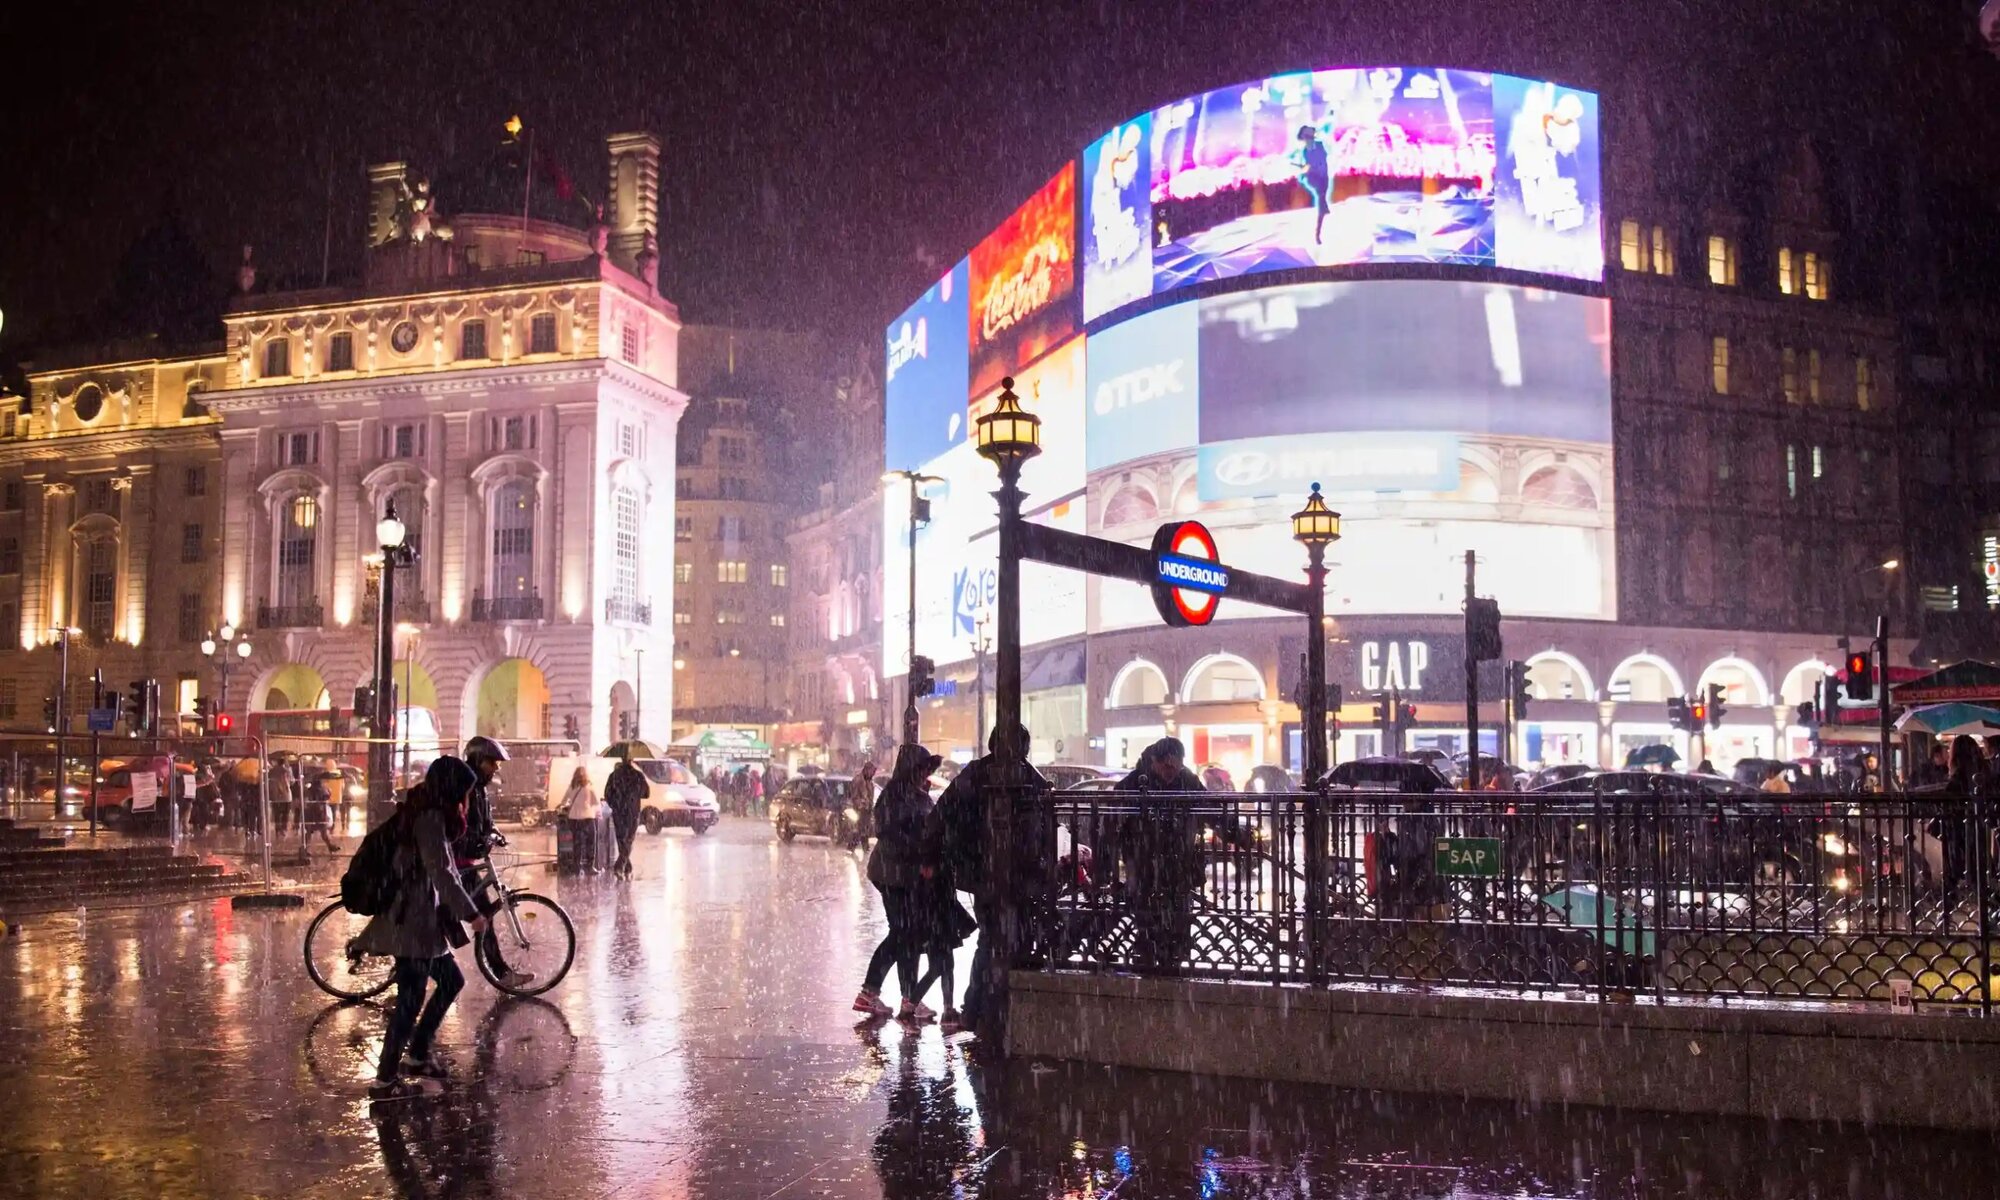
(633, 612)
(290, 616)
(414, 608)
(1806, 898)
(507, 608)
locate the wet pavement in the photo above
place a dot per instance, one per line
(703, 1046)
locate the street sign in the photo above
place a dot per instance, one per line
(101, 720)
(1188, 575)
(1476, 858)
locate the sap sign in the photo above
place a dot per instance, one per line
(1143, 379)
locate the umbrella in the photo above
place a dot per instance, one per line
(633, 746)
(1584, 907)
(1950, 720)
(1655, 755)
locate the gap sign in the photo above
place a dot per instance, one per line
(1188, 579)
(1476, 858)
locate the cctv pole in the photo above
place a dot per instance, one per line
(1471, 684)
(1882, 693)
(910, 665)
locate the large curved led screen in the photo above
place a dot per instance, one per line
(1340, 167)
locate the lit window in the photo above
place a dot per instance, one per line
(1785, 282)
(732, 572)
(777, 620)
(542, 334)
(340, 352)
(625, 544)
(1718, 365)
(780, 575)
(1864, 383)
(1631, 255)
(1792, 471)
(472, 340)
(1663, 251)
(1819, 276)
(277, 358)
(683, 529)
(1721, 261)
(683, 572)
(1818, 462)
(514, 504)
(1788, 378)
(1812, 376)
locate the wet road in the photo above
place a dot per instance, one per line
(703, 1046)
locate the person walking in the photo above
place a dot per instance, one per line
(963, 823)
(942, 924)
(580, 806)
(475, 841)
(895, 868)
(421, 925)
(861, 798)
(318, 808)
(623, 791)
(756, 792)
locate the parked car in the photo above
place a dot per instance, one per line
(115, 791)
(816, 805)
(1070, 775)
(1557, 774)
(674, 799)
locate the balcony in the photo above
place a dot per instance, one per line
(410, 609)
(631, 612)
(291, 616)
(507, 608)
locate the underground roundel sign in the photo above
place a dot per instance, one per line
(1188, 576)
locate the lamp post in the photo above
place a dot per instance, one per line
(219, 647)
(409, 631)
(391, 535)
(63, 634)
(1007, 437)
(919, 514)
(980, 645)
(1316, 527)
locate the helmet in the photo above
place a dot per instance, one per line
(480, 746)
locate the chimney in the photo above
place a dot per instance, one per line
(633, 213)
(387, 182)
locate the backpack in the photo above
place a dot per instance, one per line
(964, 821)
(369, 886)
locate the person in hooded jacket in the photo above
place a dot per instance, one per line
(1160, 850)
(896, 867)
(420, 927)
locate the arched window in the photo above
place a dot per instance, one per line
(625, 517)
(100, 587)
(411, 509)
(298, 547)
(1801, 684)
(1741, 682)
(1222, 679)
(1644, 679)
(1130, 503)
(1559, 487)
(1553, 676)
(514, 539)
(1138, 683)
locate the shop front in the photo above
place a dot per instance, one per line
(1557, 743)
(1236, 748)
(1628, 737)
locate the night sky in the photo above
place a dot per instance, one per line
(823, 161)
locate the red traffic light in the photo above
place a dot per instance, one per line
(1698, 713)
(224, 722)
(1858, 665)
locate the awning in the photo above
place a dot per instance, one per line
(1950, 720)
(1966, 680)
(726, 743)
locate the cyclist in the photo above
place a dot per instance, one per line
(484, 755)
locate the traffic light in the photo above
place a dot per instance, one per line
(1677, 712)
(1716, 708)
(204, 712)
(1517, 684)
(624, 726)
(1860, 683)
(49, 712)
(224, 722)
(139, 708)
(1406, 715)
(922, 682)
(1383, 714)
(1482, 629)
(571, 730)
(1697, 715)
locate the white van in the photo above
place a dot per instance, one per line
(674, 798)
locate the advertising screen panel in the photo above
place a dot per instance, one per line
(1144, 387)
(1548, 205)
(1117, 245)
(925, 374)
(1024, 284)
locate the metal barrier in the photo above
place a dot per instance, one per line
(1817, 898)
(522, 781)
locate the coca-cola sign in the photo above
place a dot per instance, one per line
(1024, 284)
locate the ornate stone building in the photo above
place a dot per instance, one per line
(505, 379)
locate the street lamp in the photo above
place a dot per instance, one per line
(218, 647)
(409, 630)
(63, 634)
(919, 513)
(1316, 527)
(1008, 437)
(390, 535)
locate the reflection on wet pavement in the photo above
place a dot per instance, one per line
(703, 1046)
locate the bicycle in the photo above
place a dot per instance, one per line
(533, 932)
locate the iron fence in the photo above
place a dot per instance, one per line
(1814, 898)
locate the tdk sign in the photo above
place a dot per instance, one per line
(1188, 579)
(1137, 387)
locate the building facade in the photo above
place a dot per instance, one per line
(506, 382)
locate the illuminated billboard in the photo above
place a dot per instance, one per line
(1024, 284)
(1342, 167)
(925, 372)
(1440, 416)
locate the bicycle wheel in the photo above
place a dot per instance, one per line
(539, 940)
(333, 968)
